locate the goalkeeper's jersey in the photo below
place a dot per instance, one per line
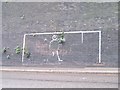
(54, 45)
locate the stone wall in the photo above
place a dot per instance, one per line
(19, 18)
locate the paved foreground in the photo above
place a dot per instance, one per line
(58, 80)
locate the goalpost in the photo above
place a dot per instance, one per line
(70, 32)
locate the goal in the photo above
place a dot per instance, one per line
(50, 34)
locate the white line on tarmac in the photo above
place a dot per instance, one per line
(98, 70)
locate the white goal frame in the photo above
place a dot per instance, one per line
(70, 32)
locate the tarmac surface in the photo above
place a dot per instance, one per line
(61, 80)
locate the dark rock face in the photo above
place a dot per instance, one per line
(21, 18)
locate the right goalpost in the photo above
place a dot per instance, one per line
(70, 32)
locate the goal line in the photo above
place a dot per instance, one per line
(70, 32)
